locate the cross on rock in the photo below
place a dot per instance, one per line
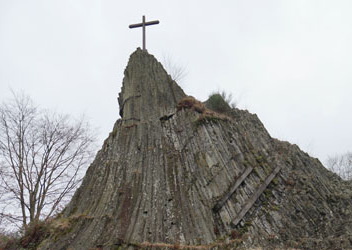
(143, 25)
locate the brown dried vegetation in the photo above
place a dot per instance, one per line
(189, 102)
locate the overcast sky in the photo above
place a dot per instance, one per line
(287, 61)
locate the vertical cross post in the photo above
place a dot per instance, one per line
(143, 21)
(143, 25)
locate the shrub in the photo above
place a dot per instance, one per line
(34, 234)
(8, 242)
(220, 102)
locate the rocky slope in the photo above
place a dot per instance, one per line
(173, 173)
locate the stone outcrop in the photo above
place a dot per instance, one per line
(172, 174)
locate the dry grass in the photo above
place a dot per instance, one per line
(181, 246)
(189, 102)
(60, 225)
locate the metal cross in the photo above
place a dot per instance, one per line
(143, 24)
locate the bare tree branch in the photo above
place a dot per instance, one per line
(341, 165)
(42, 156)
(177, 72)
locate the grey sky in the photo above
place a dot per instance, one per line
(287, 61)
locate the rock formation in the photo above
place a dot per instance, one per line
(173, 173)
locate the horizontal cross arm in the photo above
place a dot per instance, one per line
(141, 24)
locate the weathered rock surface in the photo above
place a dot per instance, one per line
(166, 177)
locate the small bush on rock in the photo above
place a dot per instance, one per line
(34, 234)
(220, 102)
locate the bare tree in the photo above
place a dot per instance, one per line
(42, 156)
(176, 71)
(341, 165)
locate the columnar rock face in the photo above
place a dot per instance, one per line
(147, 92)
(170, 175)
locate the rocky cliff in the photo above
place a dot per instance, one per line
(175, 174)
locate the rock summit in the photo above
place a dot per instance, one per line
(175, 174)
